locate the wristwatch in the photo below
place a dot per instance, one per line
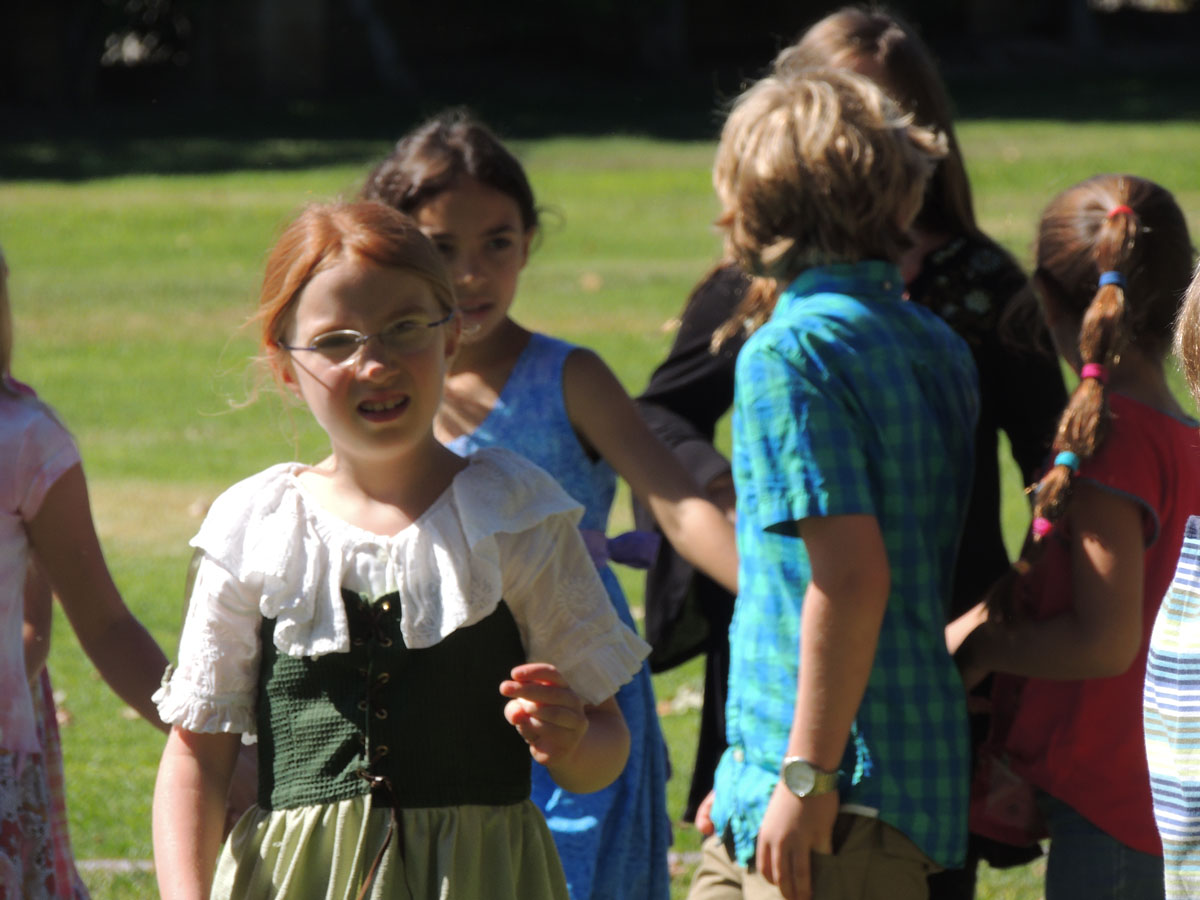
(804, 779)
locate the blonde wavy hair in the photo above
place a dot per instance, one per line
(819, 166)
(1187, 336)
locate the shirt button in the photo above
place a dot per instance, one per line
(739, 755)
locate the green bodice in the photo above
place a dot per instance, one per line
(418, 728)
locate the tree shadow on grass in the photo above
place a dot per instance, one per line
(155, 136)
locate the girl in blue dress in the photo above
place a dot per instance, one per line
(561, 407)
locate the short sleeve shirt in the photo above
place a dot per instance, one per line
(1172, 721)
(36, 451)
(852, 401)
(1081, 740)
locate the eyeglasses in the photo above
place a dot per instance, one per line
(405, 336)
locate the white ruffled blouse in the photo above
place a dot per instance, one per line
(504, 529)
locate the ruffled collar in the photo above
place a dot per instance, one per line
(275, 539)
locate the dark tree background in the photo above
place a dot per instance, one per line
(78, 53)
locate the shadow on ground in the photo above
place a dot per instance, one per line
(165, 135)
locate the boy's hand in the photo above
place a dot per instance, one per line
(704, 820)
(791, 831)
(545, 711)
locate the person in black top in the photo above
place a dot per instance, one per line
(954, 269)
(686, 611)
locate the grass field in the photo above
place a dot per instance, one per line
(130, 291)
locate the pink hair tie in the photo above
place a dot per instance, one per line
(1042, 526)
(1117, 210)
(1094, 370)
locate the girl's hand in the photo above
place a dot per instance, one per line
(550, 716)
(35, 632)
(243, 787)
(958, 630)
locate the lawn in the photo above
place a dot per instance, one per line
(129, 295)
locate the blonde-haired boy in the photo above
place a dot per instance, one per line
(854, 416)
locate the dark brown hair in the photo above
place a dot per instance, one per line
(907, 73)
(432, 157)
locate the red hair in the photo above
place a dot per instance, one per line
(324, 235)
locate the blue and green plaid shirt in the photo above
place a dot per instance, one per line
(852, 401)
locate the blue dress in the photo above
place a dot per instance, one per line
(613, 843)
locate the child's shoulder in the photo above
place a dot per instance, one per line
(540, 342)
(30, 427)
(1148, 445)
(262, 487)
(258, 504)
(547, 350)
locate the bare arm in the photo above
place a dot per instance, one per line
(64, 540)
(35, 631)
(604, 415)
(842, 615)
(189, 811)
(1100, 634)
(583, 746)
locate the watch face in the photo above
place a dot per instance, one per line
(799, 776)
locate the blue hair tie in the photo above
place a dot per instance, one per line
(1112, 277)
(1068, 459)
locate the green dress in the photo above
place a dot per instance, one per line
(368, 666)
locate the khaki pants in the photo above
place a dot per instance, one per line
(871, 859)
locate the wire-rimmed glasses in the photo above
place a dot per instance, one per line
(408, 335)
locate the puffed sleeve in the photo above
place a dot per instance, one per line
(37, 456)
(213, 686)
(560, 605)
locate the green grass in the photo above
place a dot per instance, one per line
(129, 293)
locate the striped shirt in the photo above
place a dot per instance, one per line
(1172, 720)
(852, 401)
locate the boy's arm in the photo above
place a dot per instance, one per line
(839, 629)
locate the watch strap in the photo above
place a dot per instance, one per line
(823, 782)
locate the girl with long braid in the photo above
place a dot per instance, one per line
(1070, 624)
